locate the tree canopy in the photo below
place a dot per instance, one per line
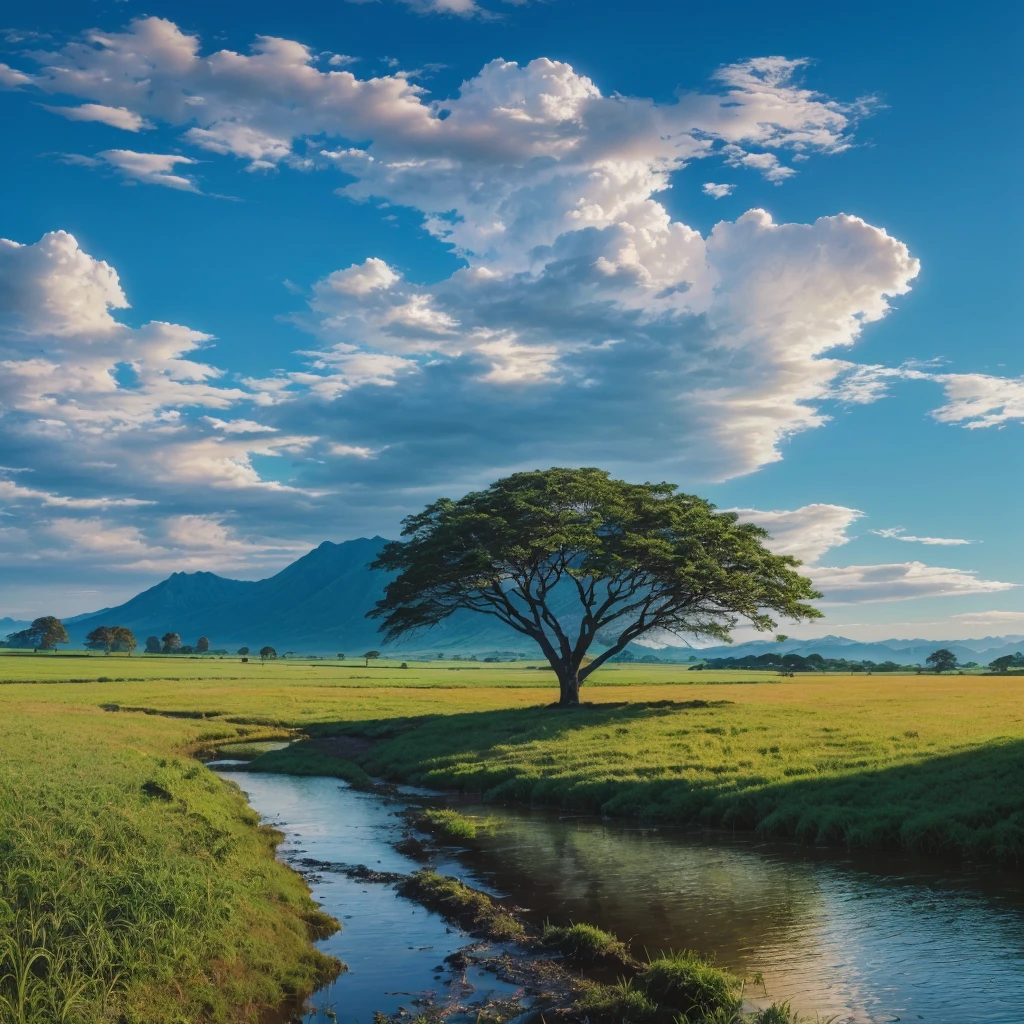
(152, 645)
(170, 643)
(1007, 661)
(941, 660)
(44, 634)
(568, 557)
(267, 652)
(100, 639)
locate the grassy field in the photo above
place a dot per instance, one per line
(118, 850)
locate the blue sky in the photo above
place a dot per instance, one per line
(321, 265)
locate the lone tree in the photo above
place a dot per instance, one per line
(203, 645)
(170, 643)
(267, 652)
(941, 660)
(370, 656)
(341, 657)
(570, 556)
(243, 651)
(100, 639)
(152, 645)
(43, 635)
(123, 639)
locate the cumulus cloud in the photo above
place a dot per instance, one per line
(806, 532)
(116, 117)
(258, 105)
(899, 533)
(717, 191)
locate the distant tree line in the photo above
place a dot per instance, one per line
(804, 663)
(941, 660)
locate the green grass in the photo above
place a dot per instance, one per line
(173, 909)
(474, 911)
(588, 945)
(688, 984)
(450, 824)
(673, 988)
(299, 760)
(136, 886)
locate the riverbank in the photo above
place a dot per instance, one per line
(135, 886)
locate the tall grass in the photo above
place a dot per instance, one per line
(138, 887)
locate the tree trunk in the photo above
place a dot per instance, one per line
(568, 686)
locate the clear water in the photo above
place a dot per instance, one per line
(877, 939)
(391, 946)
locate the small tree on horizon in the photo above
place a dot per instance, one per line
(342, 657)
(44, 634)
(942, 660)
(123, 639)
(370, 656)
(170, 643)
(267, 652)
(202, 645)
(243, 651)
(1006, 662)
(627, 559)
(100, 639)
(152, 645)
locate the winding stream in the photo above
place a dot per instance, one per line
(866, 939)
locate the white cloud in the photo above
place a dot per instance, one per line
(766, 164)
(806, 532)
(976, 400)
(998, 619)
(257, 105)
(899, 533)
(164, 544)
(10, 492)
(355, 450)
(116, 117)
(150, 168)
(458, 8)
(717, 191)
(238, 426)
(861, 584)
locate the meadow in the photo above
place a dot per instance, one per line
(135, 885)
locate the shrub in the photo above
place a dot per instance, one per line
(686, 982)
(586, 944)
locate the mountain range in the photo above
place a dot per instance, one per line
(318, 605)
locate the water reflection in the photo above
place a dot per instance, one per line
(871, 940)
(391, 946)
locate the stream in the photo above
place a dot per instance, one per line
(863, 939)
